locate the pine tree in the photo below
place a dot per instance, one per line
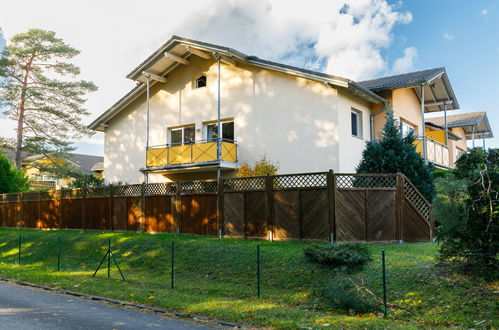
(393, 153)
(48, 109)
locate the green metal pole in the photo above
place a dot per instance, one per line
(385, 310)
(109, 258)
(59, 253)
(173, 264)
(258, 268)
(19, 250)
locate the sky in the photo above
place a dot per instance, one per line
(356, 39)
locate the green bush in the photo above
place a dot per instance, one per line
(345, 256)
(342, 295)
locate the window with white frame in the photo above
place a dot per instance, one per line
(356, 121)
(227, 131)
(182, 135)
(406, 128)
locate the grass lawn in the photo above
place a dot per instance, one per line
(217, 278)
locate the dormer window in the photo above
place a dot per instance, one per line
(200, 82)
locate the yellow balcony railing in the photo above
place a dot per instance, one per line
(194, 153)
(435, 151)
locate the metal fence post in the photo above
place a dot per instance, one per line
(19, 250)
(108, 257)
(173, 265)
(258, 268)
(59, 253)
(385, 310)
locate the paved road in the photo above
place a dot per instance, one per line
(28, 308)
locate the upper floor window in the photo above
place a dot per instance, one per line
(356, 120)
(406, 128)
(459, 153)
(227, 131)
(200, 82)
(182, 135)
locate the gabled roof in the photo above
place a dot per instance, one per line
(436, 84)
(83, 163)
(159, 64)
(478, 120)
(409, 79)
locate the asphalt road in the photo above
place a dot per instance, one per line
(29, 308)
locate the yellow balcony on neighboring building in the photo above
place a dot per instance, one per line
(436, 151)
(195, 153)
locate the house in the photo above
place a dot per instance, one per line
(199, 110)
(38, 179)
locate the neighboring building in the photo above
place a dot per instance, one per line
(166, 128)
(38, 179)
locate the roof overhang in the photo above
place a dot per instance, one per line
(438, 93)
(481, 130)
(177, 51)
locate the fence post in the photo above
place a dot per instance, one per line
(21, 202)
(83, 208)
(178, 205)
(142, 206)
(109, 258)
(220, 206)
(385, 310)
(19, 250)
(111, 198)
(331, 189)
(173, 265)
(60, 207)
(58, 253)
(399, 203)
(258, 269)
(4, 209)
(270, 206)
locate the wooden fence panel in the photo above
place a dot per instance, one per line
(234, 214)
(287, 222)
(49, 210)
(414, 228)
(71, 214)
(13, 214)
(255, 212)
(120, 216)
(350, 215)
(31, 214)
(97, 213)
(199, 214)
(381, 215)
(134, 213)
(315, 214)
(158, 214)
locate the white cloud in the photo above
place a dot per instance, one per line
(405, 63)
(448, 36)
(342, 37)
(484, 12)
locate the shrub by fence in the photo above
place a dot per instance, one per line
(310, 206)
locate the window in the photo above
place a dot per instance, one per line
(227, 131)
(200, 82)
(406, 128)
(459, 153)
(356, 118)
(182, 135)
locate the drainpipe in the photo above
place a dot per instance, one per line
(219, 126)
(445, 125)
(423, 122)
(371, 118)
(148, 76)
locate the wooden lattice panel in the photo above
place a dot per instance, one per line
(315, 180)
(199, 187)
(416, 200)
(345, 181)
(241, 184)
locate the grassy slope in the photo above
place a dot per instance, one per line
(216, 278)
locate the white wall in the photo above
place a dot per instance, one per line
(291, 120)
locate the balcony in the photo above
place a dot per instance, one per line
(436, 152)
(202, 152)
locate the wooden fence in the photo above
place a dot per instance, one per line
(311, 206)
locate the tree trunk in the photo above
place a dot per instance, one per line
(20, 119)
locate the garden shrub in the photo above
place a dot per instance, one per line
(345, 256)
(342, 295)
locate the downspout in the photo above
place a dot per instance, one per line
(445, 125)
(148, 76)
(219, 126)
(371, 118)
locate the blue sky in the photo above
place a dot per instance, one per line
(366, 39)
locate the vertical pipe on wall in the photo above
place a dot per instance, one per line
(423, 133)
(148, 76)
(219, 128)
(445, 124)
(473, 135)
